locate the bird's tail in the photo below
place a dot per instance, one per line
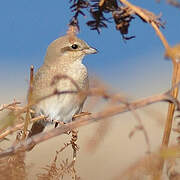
(36, 128)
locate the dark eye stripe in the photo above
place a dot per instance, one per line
(66, 49)
(69, 48)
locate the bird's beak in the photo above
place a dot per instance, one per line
(90, 50)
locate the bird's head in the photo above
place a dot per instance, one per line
(68, 48)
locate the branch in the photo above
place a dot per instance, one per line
(149, 18)
(24, 145)
(18, 127)
(7, 106)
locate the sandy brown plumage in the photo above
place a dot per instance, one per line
(64, 57)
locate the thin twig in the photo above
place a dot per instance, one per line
(143, 15)
(101, 2)
(27, 119)
(18, 127)
(59, 77)
(7, 106)
(170, 115)
(142, 128)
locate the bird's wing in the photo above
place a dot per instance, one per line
(42, 83)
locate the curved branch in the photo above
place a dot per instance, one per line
(141, 13)
(25, 145)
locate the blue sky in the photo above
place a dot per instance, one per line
(28, 26)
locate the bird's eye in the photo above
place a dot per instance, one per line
(74, 46)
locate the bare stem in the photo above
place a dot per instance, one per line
(175, 78)
(27, 120)
(144, 16)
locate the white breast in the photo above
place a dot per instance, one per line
(63, 107)
(78, 72)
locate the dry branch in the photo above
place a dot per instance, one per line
(24, 145)
(147, 17)
(18, 127)
(8, 106)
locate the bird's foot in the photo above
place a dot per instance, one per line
(68, 132)
(61, 123)
(57, 123)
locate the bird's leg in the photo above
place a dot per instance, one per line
(61, 123)
(57, 123)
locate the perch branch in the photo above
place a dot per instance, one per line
(26, 144)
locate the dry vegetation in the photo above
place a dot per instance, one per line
(18, 119)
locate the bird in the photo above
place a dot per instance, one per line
(64, 57)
